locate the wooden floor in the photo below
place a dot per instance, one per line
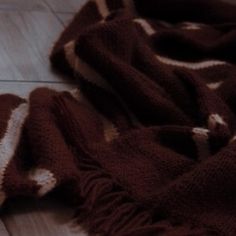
(28, 29)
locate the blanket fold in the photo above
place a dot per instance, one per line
(146, 144)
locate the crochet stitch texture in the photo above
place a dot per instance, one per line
(146, 145)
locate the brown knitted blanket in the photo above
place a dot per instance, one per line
(146, 145)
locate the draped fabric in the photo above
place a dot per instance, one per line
(146, 145)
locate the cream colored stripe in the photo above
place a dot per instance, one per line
(102, 8)
(214, 85)
(191, 26)
(9, 142)
(43, 178)
(165, 23)
(88, 73)
(200, 137)
(233, 139)
(146, 26)
(165, 60)
(83, 68)
(109, 129)
(129, 4)
(214, 120)
(190, 65)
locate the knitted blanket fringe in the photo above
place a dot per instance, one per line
(146, 144)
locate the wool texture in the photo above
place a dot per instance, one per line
(146, 145)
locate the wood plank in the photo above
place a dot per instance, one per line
(3, 230)
(25, 42)
(25, 5)
(23, 89)
(28, 31)
(36, 218)
(65, 18)
(65, 6)
(40, 218)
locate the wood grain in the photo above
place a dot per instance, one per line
(28, 29)
(23, 89)
(40, 218)
(65, 5)
(65, 18)
(3, 230)
(26, 39)
(24, 5)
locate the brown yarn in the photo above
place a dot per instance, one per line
(146, 145)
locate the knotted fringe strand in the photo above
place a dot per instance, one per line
(107, 209)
